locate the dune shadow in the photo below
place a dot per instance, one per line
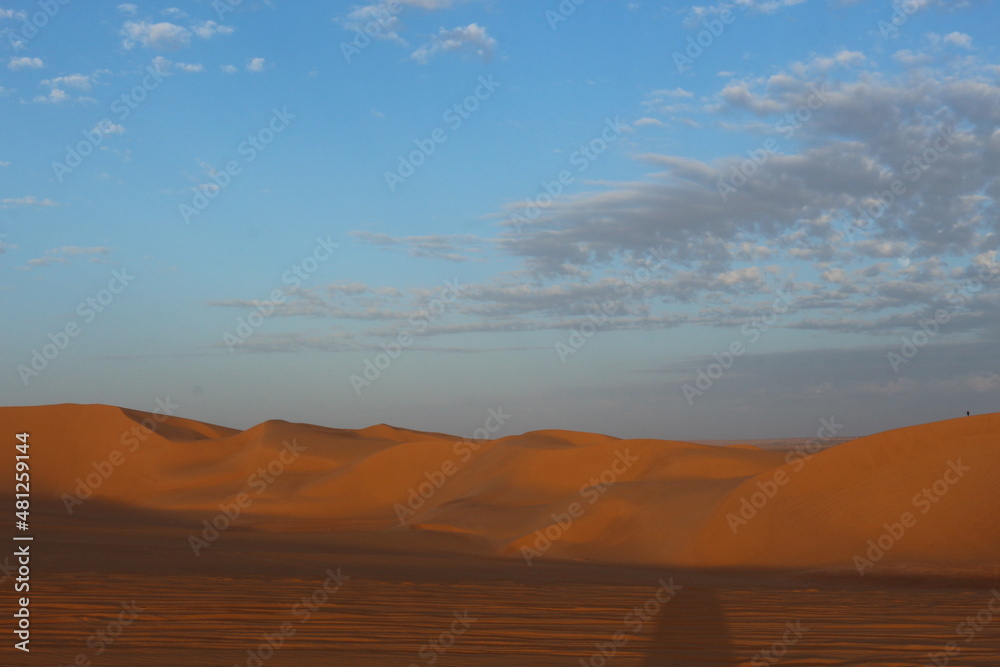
(691, 630)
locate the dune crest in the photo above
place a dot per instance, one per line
(922, 497)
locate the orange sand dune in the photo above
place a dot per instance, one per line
(922, 497)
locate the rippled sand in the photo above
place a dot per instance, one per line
(390, 607)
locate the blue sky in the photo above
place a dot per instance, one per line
(636, 218)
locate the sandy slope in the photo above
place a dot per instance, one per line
(550, 494)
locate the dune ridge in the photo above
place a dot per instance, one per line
(546, 494)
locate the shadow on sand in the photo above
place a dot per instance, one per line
(691, 630)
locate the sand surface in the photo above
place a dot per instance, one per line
(872, 551)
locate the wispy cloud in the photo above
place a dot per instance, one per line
(166, 36)
(454, 248)
(208, 29)
(65, 254)
(470, 41)
(166, 66)
(26, 201)
(78, 81)
(161, 36)
(25, 62)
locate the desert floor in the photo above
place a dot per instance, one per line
(319, 569)
(390, 607)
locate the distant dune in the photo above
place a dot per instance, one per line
(922, 498)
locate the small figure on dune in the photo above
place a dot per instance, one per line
(967, 414)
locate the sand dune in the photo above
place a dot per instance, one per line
(916, 498)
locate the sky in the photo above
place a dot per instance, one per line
(644, 219)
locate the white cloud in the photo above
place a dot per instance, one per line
(841, 59)
(45, 261)
(4, 164)
(78, 81)
(128, 8)
(643, 122)
(959, 39)
(62, 255)
(166, 36)
(740, 96)
(55, 96)
(209, 28)
(699, 13)
(160, 36)
(256, 65)
(471, 40)
(380, 21)
(26, 201)
(106, 128)
(167, 66)
(229, 69)
(59, 86)
(770, 6)
(72, 250)
(12, 14)
(25, 63)
(672, 103)
(428, 4)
